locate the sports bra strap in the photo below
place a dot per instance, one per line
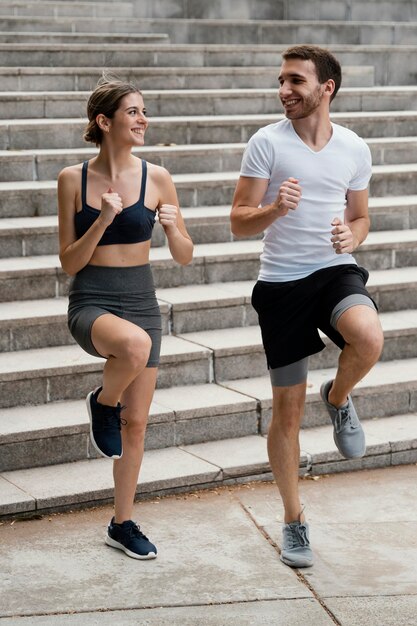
(84, 184)
(143, 184)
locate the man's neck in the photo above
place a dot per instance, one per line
(314, 131)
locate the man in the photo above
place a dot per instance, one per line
(304, 181)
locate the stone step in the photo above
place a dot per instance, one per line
(85, 78)
(29, 134)
(393, 213)
(286, 32)
(391, 441)
(45, 164)
(57, 9)
(33, 324)
(346, 10)
(151, 55)
(391, 63)
(238, 29)
(77, 38)
(167, 102)
(33, 198)
(58, 432)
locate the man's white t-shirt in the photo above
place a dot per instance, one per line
(298, 244)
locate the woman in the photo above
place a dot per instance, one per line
(107, 209)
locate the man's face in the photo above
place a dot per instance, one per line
(300, 92)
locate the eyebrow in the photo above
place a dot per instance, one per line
(292, 75)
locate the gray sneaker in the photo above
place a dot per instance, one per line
(348, 433)
(296, 551)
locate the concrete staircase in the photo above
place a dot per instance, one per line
(208, 71)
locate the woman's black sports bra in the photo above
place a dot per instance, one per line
(132, 225)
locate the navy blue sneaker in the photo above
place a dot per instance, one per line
(129, 538)
(105, 426)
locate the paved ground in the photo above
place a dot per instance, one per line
(218, 561)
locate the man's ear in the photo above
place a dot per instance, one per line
(329, 86)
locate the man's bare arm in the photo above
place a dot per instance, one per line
(247, 218)
(348, 236)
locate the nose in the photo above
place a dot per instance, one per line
(284, 89)
(142, 118)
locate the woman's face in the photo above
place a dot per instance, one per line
(129, 122)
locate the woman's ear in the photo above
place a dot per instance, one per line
(103, 122)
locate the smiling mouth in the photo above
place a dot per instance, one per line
(290, 103)
(138, 131)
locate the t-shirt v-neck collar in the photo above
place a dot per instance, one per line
(307, 146)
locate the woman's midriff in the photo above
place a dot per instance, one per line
(122, 255)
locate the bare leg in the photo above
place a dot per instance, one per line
(137, 398)
(284, 447)
(361, 329)
(126, 348)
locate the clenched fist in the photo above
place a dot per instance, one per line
(342, 239)
(111, 205)
(288, 197)
(167, 214)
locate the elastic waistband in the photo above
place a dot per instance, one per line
(102, 279)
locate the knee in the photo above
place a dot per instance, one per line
(287, 410)
(285, 424)
(370, 341)
(136, 349)
(134, 429)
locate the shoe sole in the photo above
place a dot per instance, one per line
(119, 546)
(294, 565)
(93, 441)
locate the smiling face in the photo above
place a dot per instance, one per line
(300, 92)
(129, 122)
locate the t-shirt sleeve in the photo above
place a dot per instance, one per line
(363, 173)
(257, 158)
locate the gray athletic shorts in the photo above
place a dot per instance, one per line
(127, 292)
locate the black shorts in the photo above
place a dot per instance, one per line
(291, 313)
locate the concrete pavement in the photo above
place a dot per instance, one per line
(218, 561)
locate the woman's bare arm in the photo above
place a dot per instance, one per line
(74, 253)
(179, 241)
